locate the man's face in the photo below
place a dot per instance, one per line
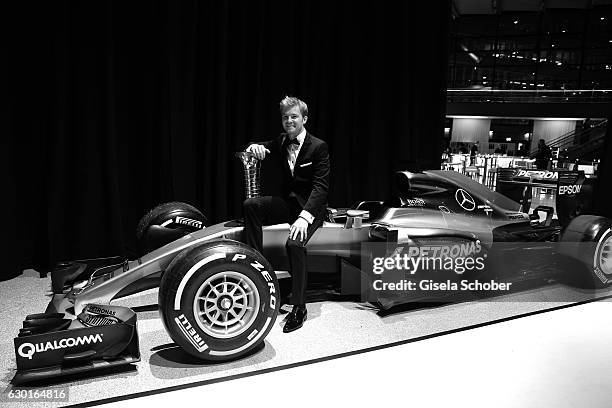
(293, 121)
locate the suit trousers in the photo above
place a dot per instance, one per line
(270, 210)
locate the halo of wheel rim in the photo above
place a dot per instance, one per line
(226, 304)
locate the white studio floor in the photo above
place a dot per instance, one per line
(436, 348)
(557, 359)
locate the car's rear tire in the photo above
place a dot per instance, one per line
(219, 300)
(167, 222)
(588, 239)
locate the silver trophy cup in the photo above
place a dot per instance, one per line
(252, 174)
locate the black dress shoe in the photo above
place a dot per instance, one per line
(296, 319)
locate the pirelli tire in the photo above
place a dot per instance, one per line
(588, 239)
(219, 300)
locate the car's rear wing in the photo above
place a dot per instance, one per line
(572, 191)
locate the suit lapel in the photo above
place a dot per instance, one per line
(303, 149)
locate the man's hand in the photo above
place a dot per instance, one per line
(299, 229)
(258, 150)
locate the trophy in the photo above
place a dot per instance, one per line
(252, 174)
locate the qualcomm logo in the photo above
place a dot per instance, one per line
(27, 350)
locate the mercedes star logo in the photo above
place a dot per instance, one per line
(465, 200)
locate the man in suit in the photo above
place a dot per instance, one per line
(303, 202)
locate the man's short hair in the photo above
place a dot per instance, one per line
(289, 102)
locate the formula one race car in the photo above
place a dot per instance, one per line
(219, 298)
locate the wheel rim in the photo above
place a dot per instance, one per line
(605, 255)
(226, 304)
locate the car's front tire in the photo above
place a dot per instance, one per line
(219, 300)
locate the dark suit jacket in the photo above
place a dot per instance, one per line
(310, 180)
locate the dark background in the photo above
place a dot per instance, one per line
(117, 106)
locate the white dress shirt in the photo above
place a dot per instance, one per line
(293, 150)
(292, 154)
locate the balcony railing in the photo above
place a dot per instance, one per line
(529, 96)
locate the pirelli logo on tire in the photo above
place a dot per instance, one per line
(190, 334)
(188, 221)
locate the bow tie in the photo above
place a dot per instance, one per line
(288, 142)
